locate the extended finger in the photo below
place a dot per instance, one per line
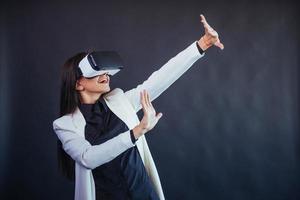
(150, 103)
(203, 20)
(219, 44)
(143, 100)
(147, 98)
(213, 33)
(206, 26)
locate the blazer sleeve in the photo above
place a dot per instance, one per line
(161, 79)
(91, 156)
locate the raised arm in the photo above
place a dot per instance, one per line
(161, 79)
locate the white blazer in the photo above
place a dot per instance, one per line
(70, 128)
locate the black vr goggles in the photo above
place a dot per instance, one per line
(100, 62)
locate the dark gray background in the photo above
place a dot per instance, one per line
(230, 128)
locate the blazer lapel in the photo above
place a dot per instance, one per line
(118, 105)
(121, 107)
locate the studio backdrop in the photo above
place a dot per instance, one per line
(230, 128)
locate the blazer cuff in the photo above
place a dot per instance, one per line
(133, 140)
(201, 51)
(196, 50)
(126, 139)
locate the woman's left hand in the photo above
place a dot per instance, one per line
(210, 37)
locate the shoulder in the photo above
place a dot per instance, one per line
(64, 121)
(61, 122)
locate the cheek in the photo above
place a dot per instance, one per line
(89, 85)
(96, 86)
(93, 84)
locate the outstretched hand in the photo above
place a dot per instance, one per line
(210, 37)
(150, 117)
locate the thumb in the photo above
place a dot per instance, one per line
(158, 116)
(219, 44)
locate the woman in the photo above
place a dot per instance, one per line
(101, 140)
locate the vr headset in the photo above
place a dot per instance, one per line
(100, 62)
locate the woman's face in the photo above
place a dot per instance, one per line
(98, 84)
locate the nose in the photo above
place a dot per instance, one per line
(106, 75)
(100, 77)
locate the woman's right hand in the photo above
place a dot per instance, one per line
(150, 118)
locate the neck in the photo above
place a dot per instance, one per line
(89, 98)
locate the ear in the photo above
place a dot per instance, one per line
(79, 87)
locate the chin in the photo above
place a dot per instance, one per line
(108, 89)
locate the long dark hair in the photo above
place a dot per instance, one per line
(69, 100)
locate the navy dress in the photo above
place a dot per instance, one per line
(124, 177)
